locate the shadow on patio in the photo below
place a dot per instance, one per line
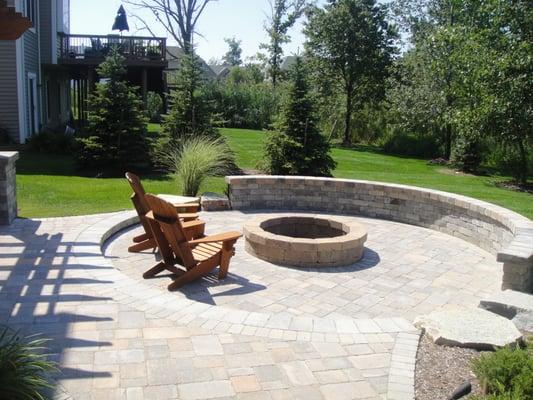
(42, 292)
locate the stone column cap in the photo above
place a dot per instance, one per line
(7, 157)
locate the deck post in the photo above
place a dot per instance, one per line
(144, 85)
(8, 187)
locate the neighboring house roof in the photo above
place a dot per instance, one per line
(221, 71)
(174, 53)
(288, 62)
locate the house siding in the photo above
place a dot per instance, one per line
(9, 115)
(31, 64)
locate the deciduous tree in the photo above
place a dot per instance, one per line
(351, 41)
(177, 17)
(233, 55)
(283, 15)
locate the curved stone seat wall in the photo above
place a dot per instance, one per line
(490, 227)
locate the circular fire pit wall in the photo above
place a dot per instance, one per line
(305, 240)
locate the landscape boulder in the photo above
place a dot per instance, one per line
(468, 327)
(516, 306)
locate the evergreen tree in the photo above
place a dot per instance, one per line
(116, 126)
(190, 112)
(296, 147)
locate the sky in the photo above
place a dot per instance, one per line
(243, 19)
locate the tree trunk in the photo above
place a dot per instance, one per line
(522, 176)
(348, 118)
(447, 142)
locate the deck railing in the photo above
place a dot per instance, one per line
(85, 47)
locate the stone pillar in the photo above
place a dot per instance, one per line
(8, 190)
(518, 276)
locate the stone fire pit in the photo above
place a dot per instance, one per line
(305, 240)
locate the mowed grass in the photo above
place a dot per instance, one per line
(49, 185)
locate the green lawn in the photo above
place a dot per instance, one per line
(48, 185)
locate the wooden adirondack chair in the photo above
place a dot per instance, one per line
(187, 259)
(193, 227)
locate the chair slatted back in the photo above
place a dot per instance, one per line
(138, 198)
(167, 217)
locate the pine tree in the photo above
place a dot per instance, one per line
(190, 112)
(296, 147)
(116, 126)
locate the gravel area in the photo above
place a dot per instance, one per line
(441, 369)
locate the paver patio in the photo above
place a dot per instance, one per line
(266, 332)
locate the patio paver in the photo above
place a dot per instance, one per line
(266, 332)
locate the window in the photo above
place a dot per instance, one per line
(30, 11)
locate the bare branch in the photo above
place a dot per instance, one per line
(178, 17)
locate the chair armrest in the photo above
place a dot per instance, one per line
(188, 216)
(187, 207)
(196, 222)
(221, 237)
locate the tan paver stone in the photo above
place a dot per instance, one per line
(245, 383)
(298, 373)
(205, 390)
(348, 391)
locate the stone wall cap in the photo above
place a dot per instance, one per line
(515, 253)
(7, 157)
(491, 210)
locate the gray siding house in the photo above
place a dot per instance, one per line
(47, 74)
(34, 89)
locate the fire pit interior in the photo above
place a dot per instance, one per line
(303, 227)
(305, 240)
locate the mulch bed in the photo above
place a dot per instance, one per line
(441, 369)
(510, 185)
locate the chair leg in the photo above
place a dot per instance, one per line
(159, 267)
(192, 274)
(141, 238)
(225, 257)
(138, 247)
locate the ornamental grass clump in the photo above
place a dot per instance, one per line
(507, 373)
(197, 158)
(24, 368)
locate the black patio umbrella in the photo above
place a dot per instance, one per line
(121, 21)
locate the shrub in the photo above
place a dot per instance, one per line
(243, 100)
(506, 372)
(466, 154)
(49, 141)
(115, 137)
(24, 369)
(297, 147)
(197, 158)
(408, 144)
(5, 139)
(154, 106)
(506, 159)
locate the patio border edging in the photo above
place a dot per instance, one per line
(493, 228)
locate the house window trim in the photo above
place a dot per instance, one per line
(32, 76)
(31, 5)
